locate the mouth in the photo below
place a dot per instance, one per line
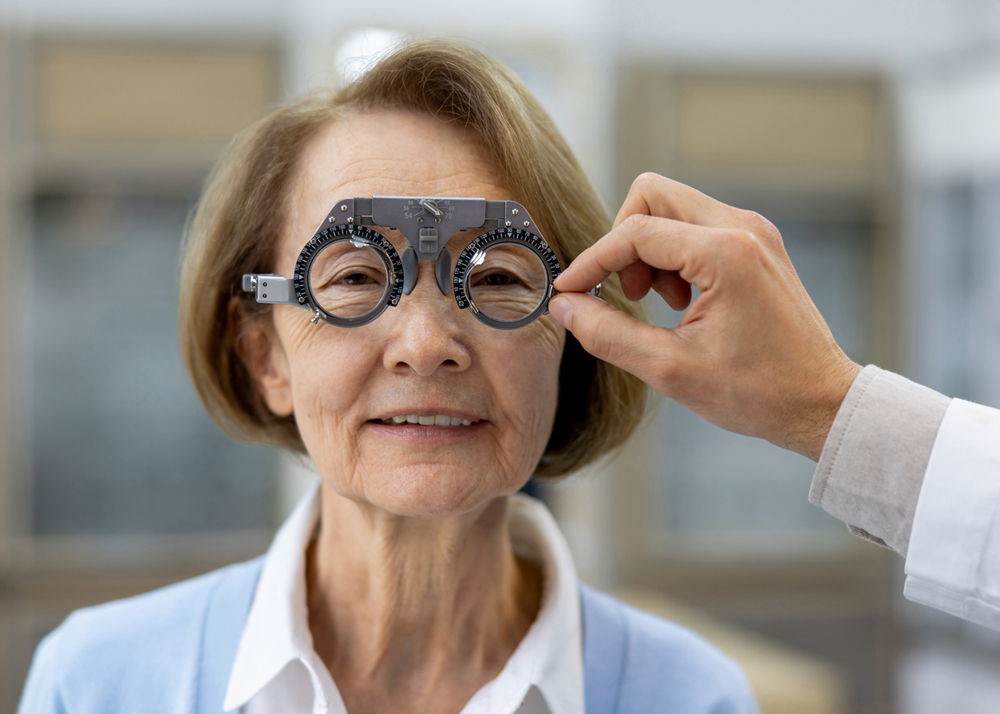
(426, 420)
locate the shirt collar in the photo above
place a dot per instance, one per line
(549, 658)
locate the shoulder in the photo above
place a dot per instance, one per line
(136, 651)
(160, 621)
(636, 662)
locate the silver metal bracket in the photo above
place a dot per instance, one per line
(428, 242)
(342, 214)
(413, 217)
(270, 289)
(516, 217)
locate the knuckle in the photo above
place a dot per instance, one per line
(646, 183)
(741, 247)
(646, 178)
(636, 223)
(762, 227)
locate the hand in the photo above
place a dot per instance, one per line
(751, 354)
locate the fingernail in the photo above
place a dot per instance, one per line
(562, 310)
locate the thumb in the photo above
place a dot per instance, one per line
(609, 334)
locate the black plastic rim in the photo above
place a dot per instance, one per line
(323, 238)
(496, 237)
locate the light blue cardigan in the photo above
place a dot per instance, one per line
(171, 652)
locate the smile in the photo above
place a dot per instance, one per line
(435, 420)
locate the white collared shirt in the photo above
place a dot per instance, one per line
(277, 668)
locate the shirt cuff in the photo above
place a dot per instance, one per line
(875, 457)
(955, 544)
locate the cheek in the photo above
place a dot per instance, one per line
(330, 370)
(526, 364)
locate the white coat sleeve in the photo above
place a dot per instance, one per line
(953, 559)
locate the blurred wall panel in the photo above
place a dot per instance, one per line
(777, 124)
(132, 94)
(146, 111)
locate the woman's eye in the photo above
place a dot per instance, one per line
(354, 277)
(497, 280)
(357, 279)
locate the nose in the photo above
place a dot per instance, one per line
(426, 331)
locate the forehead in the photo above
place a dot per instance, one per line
(388, 154)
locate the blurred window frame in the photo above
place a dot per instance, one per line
(42, 579)
(793, 145)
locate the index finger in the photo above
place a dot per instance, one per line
(654, 195)
(661, 243)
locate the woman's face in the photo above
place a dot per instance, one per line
(425, 357)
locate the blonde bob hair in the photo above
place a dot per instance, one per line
(237, 224)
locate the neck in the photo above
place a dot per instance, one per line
(416, 613)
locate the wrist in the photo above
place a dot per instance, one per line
(811, 425)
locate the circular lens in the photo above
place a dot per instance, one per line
(506, 281)
(348, 279)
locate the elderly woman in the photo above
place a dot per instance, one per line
(412, 579)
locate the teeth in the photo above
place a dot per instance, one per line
(436, 420)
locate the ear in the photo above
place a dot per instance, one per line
(261, 351)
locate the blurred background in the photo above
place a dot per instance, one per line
(867, 130)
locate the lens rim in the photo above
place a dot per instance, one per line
(500, 236)
(374, 240)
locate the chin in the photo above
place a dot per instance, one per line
(435, 491)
